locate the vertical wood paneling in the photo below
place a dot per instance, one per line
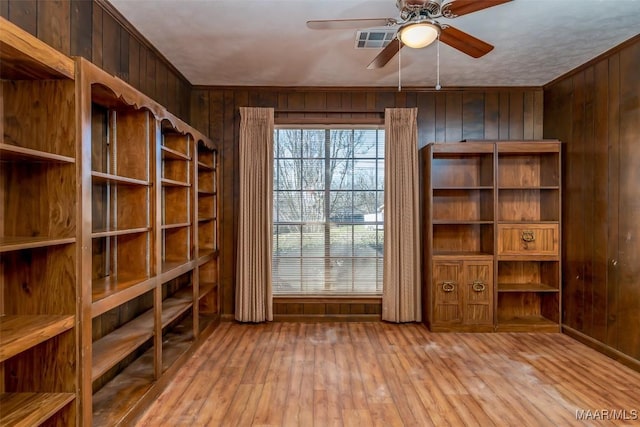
(629, 245)
(24, 13)
(333, 99)
(472, 115)
(516, 115)
(81, 28)
(150, 73)
(613, 203)
(229, 203)
(385, 100)
(370, 103)
(574, 205)
(172, 91)
(600, 197)
(161, 82)
(144, 80)
(315, 101)
(426, 119)
(96, 42)
(538, 114)
(110, 44)
(123, 62)
(358, 101)
(54, 24)
(441, 110)
(295, 101)
(492, 115)
(200, 110)
(527, 114)
(504, 129)
(588, 199)
(453, 117)
(134, 62)
(596, 112)
(4, 9)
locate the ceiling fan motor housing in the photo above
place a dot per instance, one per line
(409, 7)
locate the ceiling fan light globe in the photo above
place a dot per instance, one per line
(419, 34)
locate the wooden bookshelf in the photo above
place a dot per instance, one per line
(99, 236)
(39, 232)
(207, 213)
(492, 235)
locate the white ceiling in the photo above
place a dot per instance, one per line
(267, 42)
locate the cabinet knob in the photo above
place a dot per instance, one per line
(528, 236)
(448, 286)
(478, 286)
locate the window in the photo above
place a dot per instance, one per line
(328, 211)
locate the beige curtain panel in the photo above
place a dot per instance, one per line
(253, 274)
(401, 301)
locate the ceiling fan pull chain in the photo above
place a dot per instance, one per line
(438, 87)
(399, 67)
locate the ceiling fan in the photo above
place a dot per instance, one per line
(418, 27)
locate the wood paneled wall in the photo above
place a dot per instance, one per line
(596, 112)
(447, 115)
(94, 30)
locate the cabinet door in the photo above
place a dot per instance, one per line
(447, 294)
(478, 292)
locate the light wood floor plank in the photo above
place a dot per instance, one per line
(381, 374)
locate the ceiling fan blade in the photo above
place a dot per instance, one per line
(347, 24)
(385, 55)
(465, 7)
(464, 42)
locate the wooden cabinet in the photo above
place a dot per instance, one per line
(39, 228)
(107, 247)
(492, 223)
(462, 293)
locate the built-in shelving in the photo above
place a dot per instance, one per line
(99, 235)
(39, 232)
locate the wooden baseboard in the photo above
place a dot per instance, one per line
(602, 348)
(313, 318)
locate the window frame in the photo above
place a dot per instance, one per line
(378, 189)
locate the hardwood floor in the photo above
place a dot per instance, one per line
(365, 374)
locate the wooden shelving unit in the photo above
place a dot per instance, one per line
(144, 240)
(100, 230)
(459, 236)
(207, 214)
(528, 236)
(491, 235)
(38, 232)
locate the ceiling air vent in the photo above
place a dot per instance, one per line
(374, 39)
